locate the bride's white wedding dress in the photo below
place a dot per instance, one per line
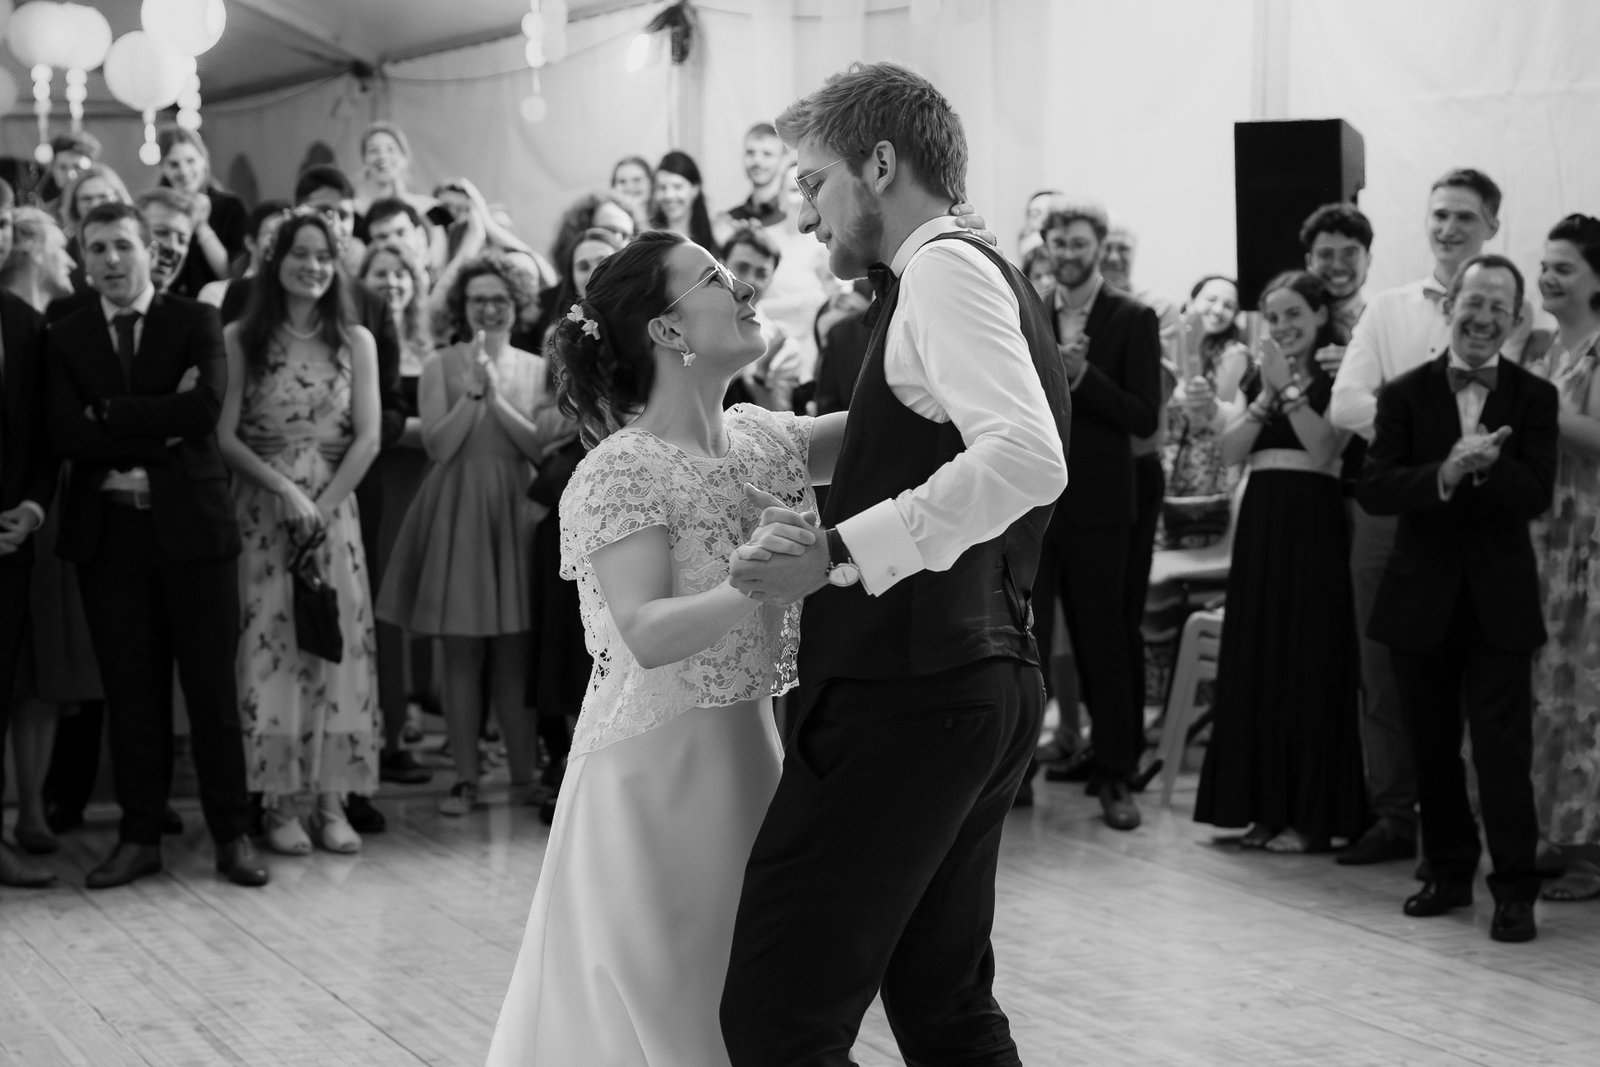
(670, 774)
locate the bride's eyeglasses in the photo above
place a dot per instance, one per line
(719, 275)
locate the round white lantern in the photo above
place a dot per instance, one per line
(145, 72)
(192, 26)
(92, 37)
(43, 34)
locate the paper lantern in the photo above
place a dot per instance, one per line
(192, 26)
(92, 37)
(145, 72)
(8, 92)
(42, 34)
(5, 14)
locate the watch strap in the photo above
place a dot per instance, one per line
(838, 551)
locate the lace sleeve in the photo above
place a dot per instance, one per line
(617, 490)
(788, 429)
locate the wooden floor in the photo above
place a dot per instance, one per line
(1150, 948)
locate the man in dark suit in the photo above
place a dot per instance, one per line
(75, 757)
(1110, 346)
(27, 484)
(135, 388)
(1465, 455)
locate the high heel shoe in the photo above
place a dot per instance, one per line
(285, 834)
(334, 831)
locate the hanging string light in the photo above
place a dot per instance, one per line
(145, 73)
(92, 40)
(42, 36)
(192, 27)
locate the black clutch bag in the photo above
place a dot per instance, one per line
(316, 603)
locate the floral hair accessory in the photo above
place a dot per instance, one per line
(590, 327)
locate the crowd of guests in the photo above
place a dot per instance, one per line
(1408, 478)
(305, 456)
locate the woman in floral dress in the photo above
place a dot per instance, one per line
(303, 389)
(1566, 678)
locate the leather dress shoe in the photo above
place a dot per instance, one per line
(364, 818)
(240, 862)
(128, 862)
(20, 873)
(1117, 808)
(1377, 845)
(1436, 898)
(403, 768)
(1079, 767)
(1513, 921)
(37, 842)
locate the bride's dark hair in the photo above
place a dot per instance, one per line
(604, 380)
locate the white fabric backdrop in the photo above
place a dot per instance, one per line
(1131, 102)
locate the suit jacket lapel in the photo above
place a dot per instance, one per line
(1497, 406)
(1442, 400)
(100, 354)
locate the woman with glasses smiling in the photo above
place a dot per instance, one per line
(459, 568)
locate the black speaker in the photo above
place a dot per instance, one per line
(1282, 172)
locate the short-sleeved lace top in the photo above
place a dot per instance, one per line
(634, 480)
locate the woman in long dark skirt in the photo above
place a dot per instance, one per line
(1285, 754)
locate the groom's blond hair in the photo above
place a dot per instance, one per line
(875, 102)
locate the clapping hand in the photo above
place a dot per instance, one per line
(1198, 392)
(1275, 369)
(785, 558)
(1473, 454)
(1074, 356)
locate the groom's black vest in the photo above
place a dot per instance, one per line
(934, 620)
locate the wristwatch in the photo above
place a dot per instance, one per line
(842, 570)
(1292, 392)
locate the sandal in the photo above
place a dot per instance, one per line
(1571, 888)
(334, 831)
(1258, 836)
(463, 797)
(285, 834)
(1293, 842)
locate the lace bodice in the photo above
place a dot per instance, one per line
(634, 480)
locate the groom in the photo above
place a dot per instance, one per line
(875, 866)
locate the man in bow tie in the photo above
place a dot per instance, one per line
(1464, 454)
(1400, 329)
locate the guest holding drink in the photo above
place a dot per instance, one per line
(1285, 754)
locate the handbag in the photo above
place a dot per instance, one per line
(316, 603)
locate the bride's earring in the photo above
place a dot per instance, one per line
(688, 358)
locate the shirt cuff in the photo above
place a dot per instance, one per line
(881, 546)
(38, 512)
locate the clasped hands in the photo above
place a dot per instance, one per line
(786, 556)
(1473, 454)
(16, 525)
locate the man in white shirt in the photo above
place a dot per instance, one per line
(874, 867)
(1401, 329)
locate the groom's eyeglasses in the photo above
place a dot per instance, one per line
(807, 187)
(719, 275)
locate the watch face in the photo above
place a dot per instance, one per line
(844, 574)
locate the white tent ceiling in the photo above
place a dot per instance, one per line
(274, 43)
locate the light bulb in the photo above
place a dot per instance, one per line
(149, 153)
(43, 154)
(534, 109)
(638, 53)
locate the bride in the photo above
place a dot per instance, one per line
(676, 756)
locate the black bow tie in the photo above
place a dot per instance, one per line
(883, 280)
(1460, 378)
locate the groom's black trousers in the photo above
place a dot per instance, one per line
(875, 868)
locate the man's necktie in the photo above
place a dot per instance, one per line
(883, 280)
(1484, 376)
(124, 322)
